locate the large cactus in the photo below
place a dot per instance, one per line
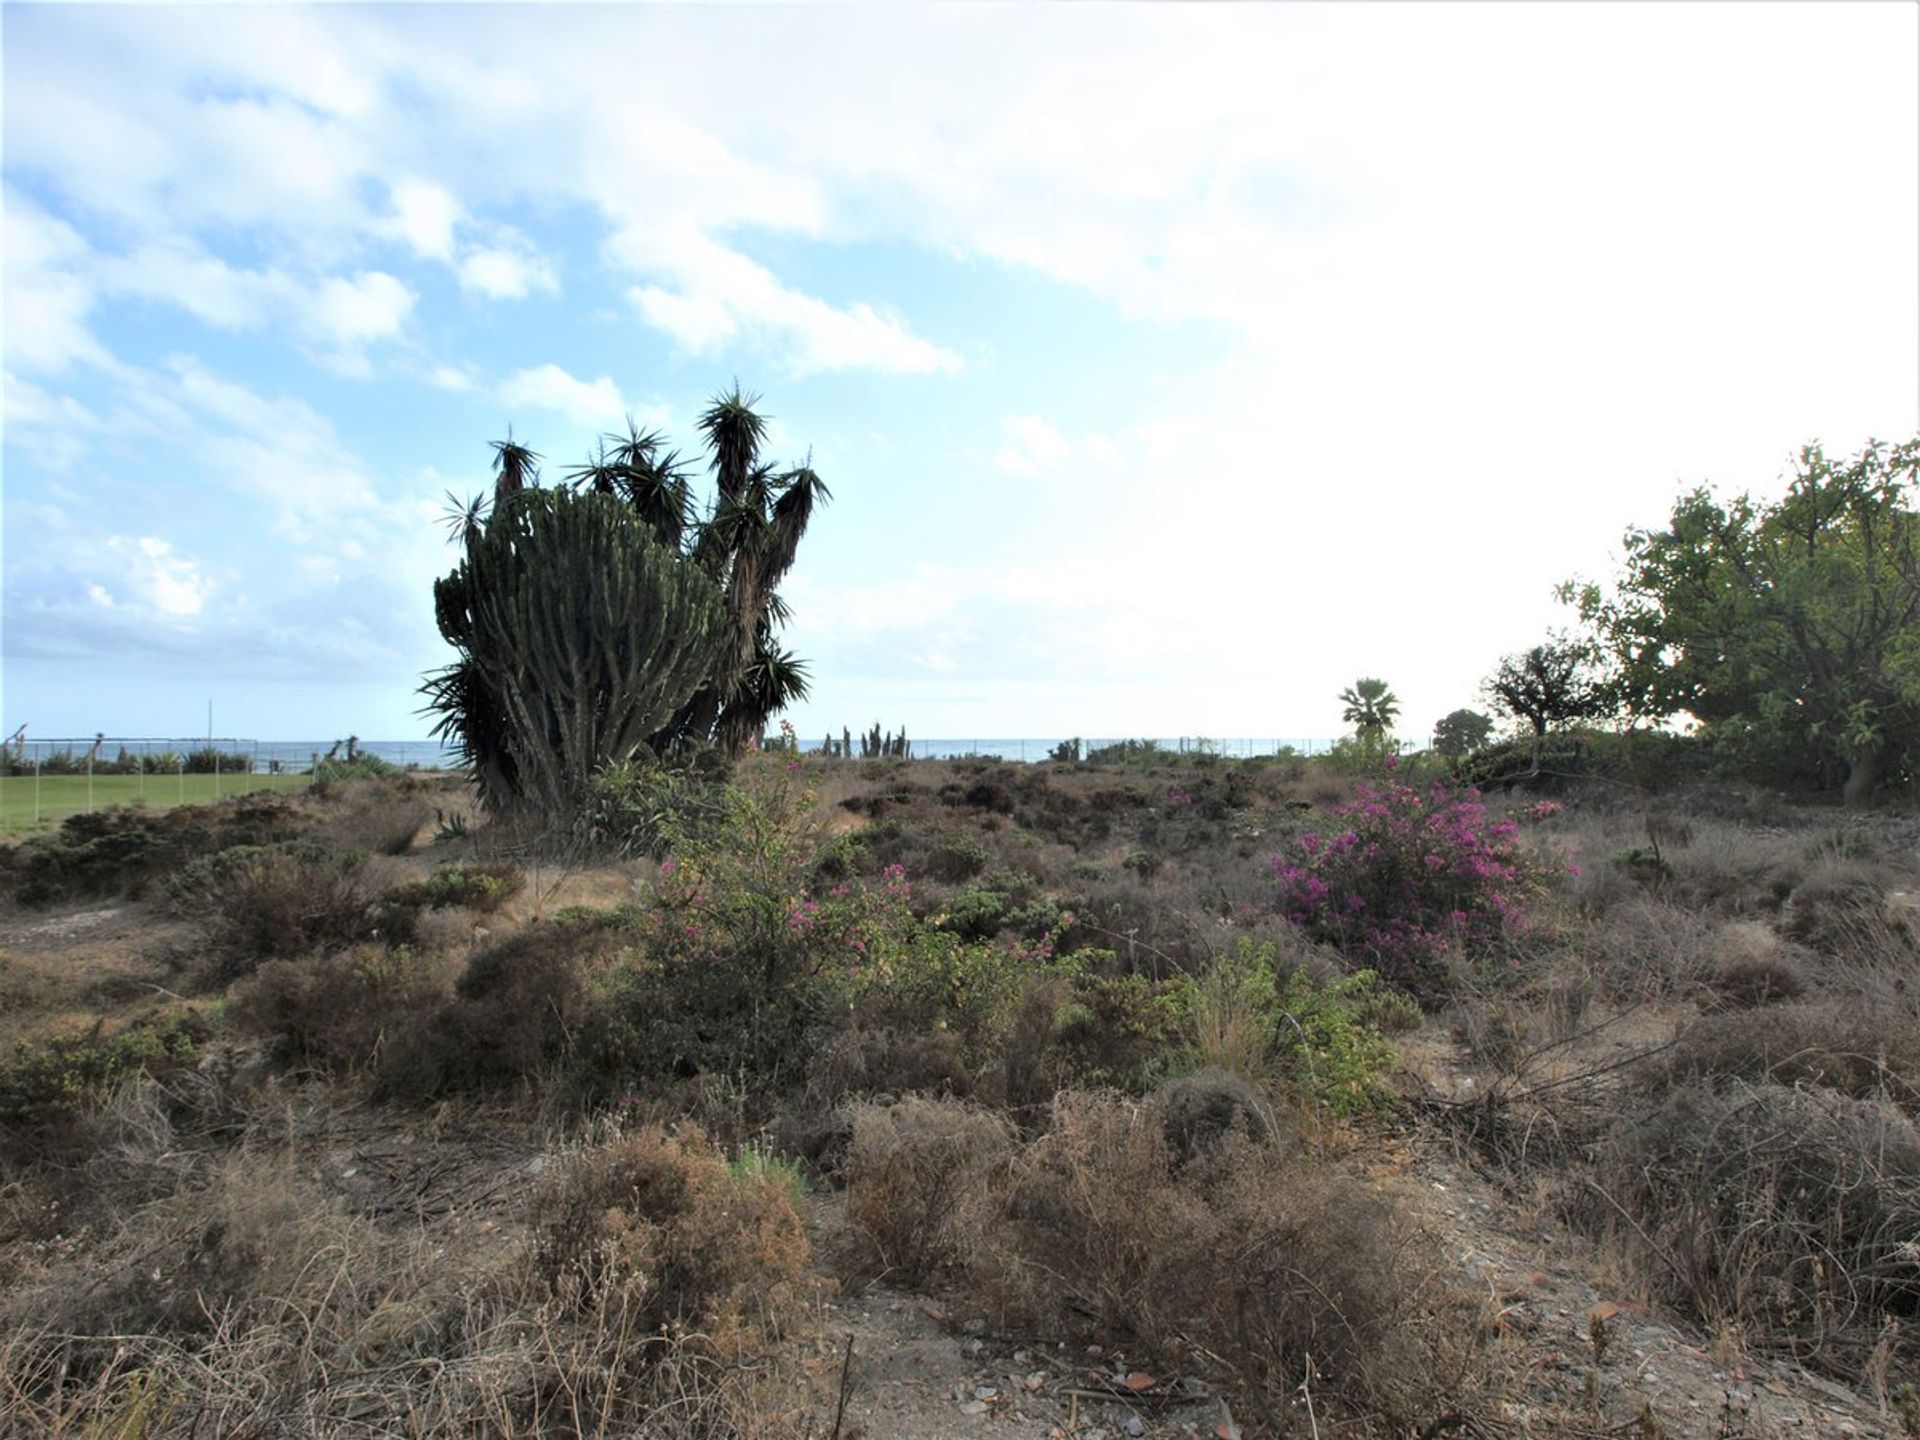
(581, 636)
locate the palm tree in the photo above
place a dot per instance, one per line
(1371, 708)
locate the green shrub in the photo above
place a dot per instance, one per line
(360, 767)
(1316, 1040)
(121, 850)
(956, 856)
(270, 901)
(474, 887)
(46, 1086)
(640, 807)
(975, 914)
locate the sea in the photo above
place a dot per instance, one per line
(428, 754)
(299, 755)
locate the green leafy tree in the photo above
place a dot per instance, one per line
(1371, 708)
(1790, 630)
(606, 616)
(1461, 733)
(1553, 685)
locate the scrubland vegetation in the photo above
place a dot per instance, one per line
(1560, 1083)
(357, 1114)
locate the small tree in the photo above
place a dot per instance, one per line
(1790, 629)
(1554, 684)
(1461, 733)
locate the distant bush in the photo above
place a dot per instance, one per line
(361, 767)
(1409, 877)
(121, 850)
(263, 902)
(207, 761)
(956, 856)
(379, 817)
(484, 888)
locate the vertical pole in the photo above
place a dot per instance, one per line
(181, 761)
(216, 755)
(142, 763)
(36, 788)
(89, 782)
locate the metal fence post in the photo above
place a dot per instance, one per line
(89, 782)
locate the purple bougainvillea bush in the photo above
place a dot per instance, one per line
(1409, 878)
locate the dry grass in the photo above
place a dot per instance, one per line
(1235, 1256)
(917, 1179)
(1848, 1048)
(659, 1223)
(247, 1301)
(1751, 965)
(1785, 1216)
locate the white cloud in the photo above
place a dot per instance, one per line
(458, 378)
(424, 215)
(548, 387)
(1032, 445)
(154, 577)
(506, 274)
(48, 298)
(723, 296)
(371, 306)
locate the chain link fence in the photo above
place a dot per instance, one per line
(44, 781)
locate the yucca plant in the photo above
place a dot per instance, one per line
(605, 616)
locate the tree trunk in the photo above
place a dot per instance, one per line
(1863, 778)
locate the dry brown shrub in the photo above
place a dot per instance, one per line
(658, 1224)
(249, 1303)
(1787, 1216)
(334, 1011)
(446, 931)
(1840, 911)
(917, 1173)
(267, 902)
(1846, 1047)
(1752, 966)
(1210, 1108)
(1031, 1070)
(251, 1242)
(1734, 870)
(512, 1012)
(863, 1060)
(1647, 946)
(1276, 1266)
(382, 817)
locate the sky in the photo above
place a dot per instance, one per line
(1171, 366)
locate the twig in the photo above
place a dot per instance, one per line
(840, 1404)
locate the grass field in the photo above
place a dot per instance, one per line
(28, 804)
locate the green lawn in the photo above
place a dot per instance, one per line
(27, 805)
